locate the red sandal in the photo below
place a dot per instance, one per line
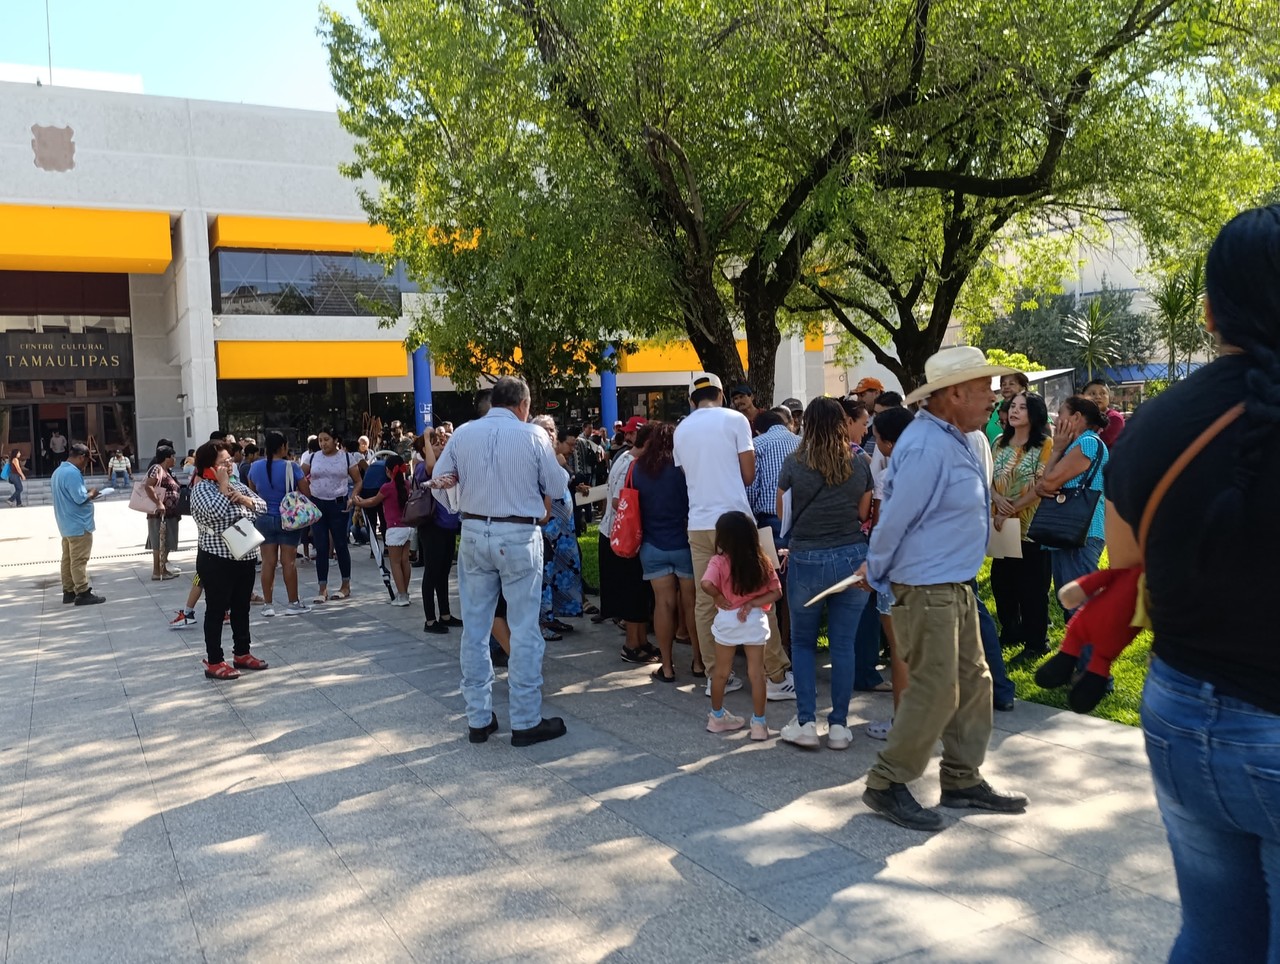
(249, 661)
(223, 670)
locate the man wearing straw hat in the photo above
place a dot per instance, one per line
(926, 549)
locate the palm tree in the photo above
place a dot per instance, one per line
(1177, 317)
(1091, 333)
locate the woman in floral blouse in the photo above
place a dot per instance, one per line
(218, 502)
(1021, 586)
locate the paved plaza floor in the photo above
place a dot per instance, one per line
(331, 808)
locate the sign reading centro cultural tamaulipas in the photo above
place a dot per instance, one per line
(30, 355)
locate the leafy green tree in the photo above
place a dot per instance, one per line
(873, 160)
(1178, 301)
(1022, 363)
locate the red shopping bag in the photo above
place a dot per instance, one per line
(627, 533)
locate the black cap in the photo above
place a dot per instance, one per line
(794, 404)
(742, 388)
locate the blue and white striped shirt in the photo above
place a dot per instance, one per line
(772, 449)
(504, 466)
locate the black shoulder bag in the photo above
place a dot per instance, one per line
(1062, 521)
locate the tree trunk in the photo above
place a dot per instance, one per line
(710, 332)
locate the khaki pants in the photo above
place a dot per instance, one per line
(702, 542)
(949, 694)
(75, 562)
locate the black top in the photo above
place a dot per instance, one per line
(1215, 622)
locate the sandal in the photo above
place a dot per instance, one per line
(697, 673)
(343, 593)
(249, 661)
(683, 640)
(557, 626)
(590, 611)
(320, 599)
(223, 670)
(659, 676)
(551, 637)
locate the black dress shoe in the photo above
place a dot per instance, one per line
(901, 807)
(435, 626)
(89, 598)
(546, 730)
(68, 598)
(480, 734)
(1004, 706)
(983, 797)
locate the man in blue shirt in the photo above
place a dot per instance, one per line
(926, 549)
(73, 511)
(504, 470)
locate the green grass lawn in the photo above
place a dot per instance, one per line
(1130, 670)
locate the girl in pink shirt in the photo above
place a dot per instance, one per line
(741, 581)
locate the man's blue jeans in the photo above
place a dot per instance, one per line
(1002, 689)
(1216, 765)
(504, 556)
(866, 648)
(809, 572)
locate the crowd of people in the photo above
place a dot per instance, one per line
(866, 519)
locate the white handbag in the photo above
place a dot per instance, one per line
(242, 538)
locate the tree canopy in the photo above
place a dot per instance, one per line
(732, 166)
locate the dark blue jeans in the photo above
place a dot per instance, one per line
(810, 572)
(1216, 766)
(1002, 690)
(333, 525)
(866, 648)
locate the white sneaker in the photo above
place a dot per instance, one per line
(731, 685)
(784, 690)
(172, 570)
(296, 608)
(401, 600)
(268, 610)
(879, 730)
(805, 735)
(839, 737)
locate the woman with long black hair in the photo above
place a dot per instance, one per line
(273, 478)
(1021, 585)
(1211, 705)
(331, 473)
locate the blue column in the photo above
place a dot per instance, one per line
(421, 390)
(608, 395)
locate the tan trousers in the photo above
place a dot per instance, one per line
(949, 694)
(75, 562)
(702, 542)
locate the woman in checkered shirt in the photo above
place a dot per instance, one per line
(218, 501)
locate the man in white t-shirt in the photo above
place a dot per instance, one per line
(713, 447)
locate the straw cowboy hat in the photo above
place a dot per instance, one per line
(954, 366)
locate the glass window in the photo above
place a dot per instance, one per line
(302, 283)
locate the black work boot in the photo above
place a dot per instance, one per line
(897, 803)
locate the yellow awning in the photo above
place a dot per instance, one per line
(83, 239)
(297, 234)
(312, 359)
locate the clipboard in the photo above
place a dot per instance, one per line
(840, 586)
(598, 493)
(1006, 542)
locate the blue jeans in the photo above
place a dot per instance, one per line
(809, 572)
(334, 523)
(1070, 564)
(119, 478)
(866, 648)
(504, 556)
(1002, 690)
(1216, 765)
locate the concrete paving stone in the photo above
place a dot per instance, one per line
(1163, 885)
(1023, 758)
(51, 874)
(1119, 925)
(322, 781)
(857, 914)
(998, 945)
(595, 769)
(1002, 880)
(1098, 835)
(145, 925)
(601, 946)
(493, 915)
(1094, 736)
(303, 908)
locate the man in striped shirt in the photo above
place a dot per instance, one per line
(505, 472)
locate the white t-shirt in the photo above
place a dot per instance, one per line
(982, 451)
(879, 468)
(330, 474)
(707, 446)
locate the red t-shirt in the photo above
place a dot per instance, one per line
(718, 575)
(391, 510)
(1115, 425)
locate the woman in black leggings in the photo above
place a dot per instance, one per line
(437, 542)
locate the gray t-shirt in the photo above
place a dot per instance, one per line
(823, 516)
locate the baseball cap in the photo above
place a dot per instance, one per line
(742, 388)
(794, 404)
(705, 380)
(868, 384)
(634, 423)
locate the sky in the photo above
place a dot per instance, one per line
(250, 51)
